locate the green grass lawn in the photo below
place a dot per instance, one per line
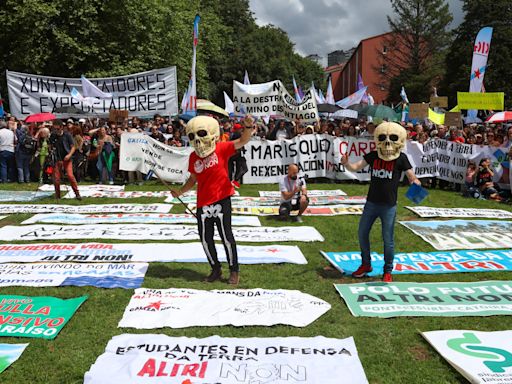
(391, 350)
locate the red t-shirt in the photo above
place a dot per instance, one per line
(213, 183)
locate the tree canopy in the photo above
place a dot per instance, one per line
(94, 38)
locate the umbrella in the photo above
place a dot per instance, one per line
(345, 113)
(360, 108)
(208, 106)
(500, 117)
(327, 108)
(40, 117)
(383, 112)
(69, 110)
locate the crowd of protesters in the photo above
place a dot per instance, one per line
(88, 149)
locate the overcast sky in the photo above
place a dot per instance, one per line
(323, 26)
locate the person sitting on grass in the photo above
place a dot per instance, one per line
(294, 194)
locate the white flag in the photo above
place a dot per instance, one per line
(90, 90)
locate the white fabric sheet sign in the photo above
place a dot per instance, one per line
(101, 208)
(142, 94)
(159, 359)
(139, 152)
(139, 218)
(145, 252)
(95, 187)
(119, 194)
(481, 357)
(104, 275)
(178, 308)
(152, 232)
(311, 193)
(461, 212)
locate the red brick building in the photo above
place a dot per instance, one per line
(368, 60)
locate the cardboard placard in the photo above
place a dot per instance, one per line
(418, 110)
(452, 119)
(438, 101)
(117, 116)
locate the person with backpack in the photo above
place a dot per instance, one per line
(24, 150)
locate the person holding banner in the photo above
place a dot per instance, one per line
(386, 166)
(208, 167)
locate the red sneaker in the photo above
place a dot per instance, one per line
(362, 271)
(386, 278)
(236, 184)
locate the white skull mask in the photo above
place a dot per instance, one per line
(203, 133)
(390, 139)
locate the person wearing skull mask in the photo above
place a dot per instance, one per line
(208, 166)
(386, 166)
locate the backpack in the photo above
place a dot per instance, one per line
(28, 144)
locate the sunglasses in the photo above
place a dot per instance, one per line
(392, 137)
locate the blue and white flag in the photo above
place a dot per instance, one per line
(403, 95)
(246, 78)
(329, 96)
(352, 99)
(90, 90)
(296, 90)
(229, 106)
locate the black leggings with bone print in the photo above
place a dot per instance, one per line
(218, 213)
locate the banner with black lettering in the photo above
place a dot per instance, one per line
(141, 94)
(272, 98)
(158, 358)
(142, 153)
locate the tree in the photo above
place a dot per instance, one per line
(498, 76)
(417, 45)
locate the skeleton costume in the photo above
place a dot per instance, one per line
(386, 166)
(209, 163)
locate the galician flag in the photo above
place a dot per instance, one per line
(90, 90)
(191, 104)
(229, 106)
(329, 96)
(360, 85)
(352, 99)
(296, 90)
(403, 95)
(246, 78)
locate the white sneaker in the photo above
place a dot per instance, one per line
(111, 182)
(298, 219)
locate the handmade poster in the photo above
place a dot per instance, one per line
(178, 308)
(311, 193)
(40, 317)
(144, 252)
(461, 212)
(141, 94)
(327, 210)
(481, 357)
(482, 298)
(158, 358)
(137, 218)
(101, 275)
(427, 262)
(100, 208)
(463, 234)
(25, 196)
(244, 201)
(94, 187)
(152, 232)
(9, 353)
(140, 152)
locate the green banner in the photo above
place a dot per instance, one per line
(484, 298)
(41, 316)
(486, 101)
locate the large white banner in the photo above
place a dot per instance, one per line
(253, 201)
(463, 234)
(179, 308)
(95, 187)
(144, 252)
(315, 210)
(142, 94)
(272, 98)
(481, 357)
(159, 359)
(142, 153)
(461, 212)
(152, 232)
(102, 275)
(311, 193)
(320, 155)
(102, 208)
(138, 218)
(120, 194)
